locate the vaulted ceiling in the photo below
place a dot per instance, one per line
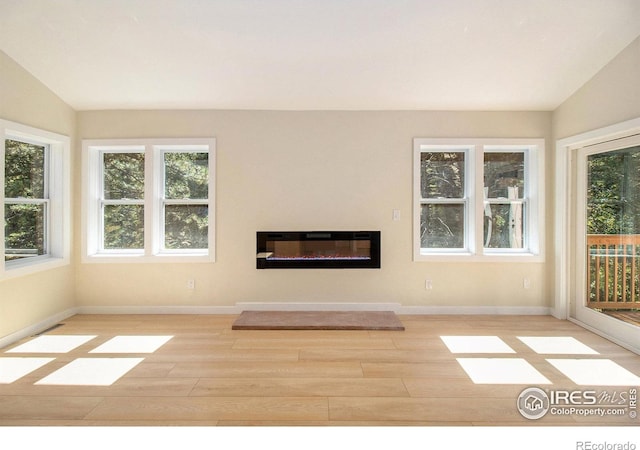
(316, 54)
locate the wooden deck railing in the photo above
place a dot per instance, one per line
(613, 274)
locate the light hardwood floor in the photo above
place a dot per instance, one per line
(208, 374)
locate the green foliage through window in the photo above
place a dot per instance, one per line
(442, 187)
(504, 209)
(25, 203)
(186, 175)
(184, 202)
(123, 176)
(123, 192)
(613, 193)
(186, 219)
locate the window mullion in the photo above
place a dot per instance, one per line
(530, 192)
(475, 206)
(47, 227)
(47, 170)
(101, 194)
(152, 208)
(45, 201)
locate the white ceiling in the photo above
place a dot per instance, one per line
(316, 54)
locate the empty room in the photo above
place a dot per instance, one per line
(363, 214)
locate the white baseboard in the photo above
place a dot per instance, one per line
(158, 310)
(477, 310)
(397, 308)
(290, 306)
(287, 306)
(37, 327)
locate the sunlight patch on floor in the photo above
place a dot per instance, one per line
(12, 369)
(595, 372)
(476, 344)
(91, 372)
(501, 371)
(132, 344)
(51, 344)
(557, 345)
(101, 371)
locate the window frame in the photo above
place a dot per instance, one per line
(153, 202)
(115, 202)
(533, 222)
(466, 200)
(44, 200)
(160, 173)
(524, 201)
(57, 199)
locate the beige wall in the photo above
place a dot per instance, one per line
(311, 170)
(610, 97)
(31, 299)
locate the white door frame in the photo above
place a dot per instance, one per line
(565, 222)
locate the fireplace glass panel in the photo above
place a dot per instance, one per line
(318, 250)
(338, 249)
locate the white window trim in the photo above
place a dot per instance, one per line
(58, 232)
(474, 249)
(153, 149)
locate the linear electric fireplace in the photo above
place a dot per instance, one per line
(318, 250)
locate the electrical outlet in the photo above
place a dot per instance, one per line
(526, 283)
(428, 285)
(191, 284)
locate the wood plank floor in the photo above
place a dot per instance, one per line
(208, 374)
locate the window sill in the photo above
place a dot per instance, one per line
(40, 264)
(100, 258)
(484, 258)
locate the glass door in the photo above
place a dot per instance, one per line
(608, 237)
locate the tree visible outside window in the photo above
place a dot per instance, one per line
(25, 200)
(123, 200)
(443, 203)
(154, 199)
(613, 192)
(34, 199)
(186, 206)
(479, 198)
(504, 199)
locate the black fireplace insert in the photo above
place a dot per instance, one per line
(318, 250)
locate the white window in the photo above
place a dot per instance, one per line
(34, 197)
(478, 199)
(149, 200)
(121, 196)
(445, 191)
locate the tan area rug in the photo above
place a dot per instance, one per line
(318, 320)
